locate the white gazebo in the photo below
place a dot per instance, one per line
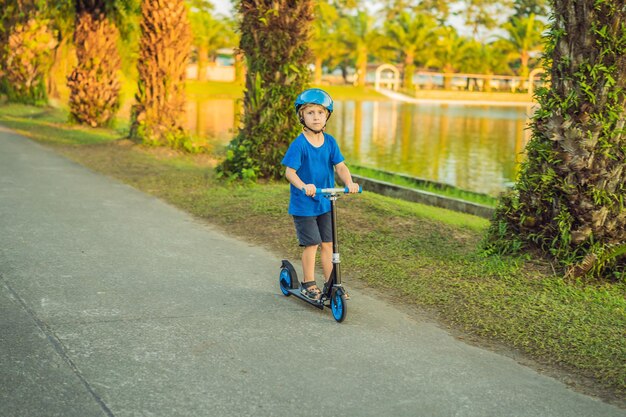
(387, 76)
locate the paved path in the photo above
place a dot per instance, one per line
(113, 303)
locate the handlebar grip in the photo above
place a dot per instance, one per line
(344, 190)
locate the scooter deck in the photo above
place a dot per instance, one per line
(316, 303)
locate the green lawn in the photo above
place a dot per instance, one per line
(213, 89)
(424, 257)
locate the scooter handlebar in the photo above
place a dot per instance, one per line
(329, 191)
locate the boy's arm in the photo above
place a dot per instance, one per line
(295, 180)
(346, 177)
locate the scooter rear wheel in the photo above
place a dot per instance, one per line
(338, 305)
(284, 281)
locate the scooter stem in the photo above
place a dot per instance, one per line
(336, 260)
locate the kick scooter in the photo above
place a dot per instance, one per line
(334, 295)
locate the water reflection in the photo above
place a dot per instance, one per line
(473, 148)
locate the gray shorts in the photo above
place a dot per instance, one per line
(313, 230)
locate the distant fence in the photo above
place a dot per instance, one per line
(387, 75)
(424, 80)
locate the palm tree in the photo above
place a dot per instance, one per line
(413, 37)
(324, 37)
(28, 59)
(361, 38)
(26, 45)
(486, 59)
(569, 199)
(158, 117)
(440, 9)
(328, 41)
(450, 53)
(524, 36)
(10, 13)
(94, 84)
(274, 38)
(62, 15)
(209, 34)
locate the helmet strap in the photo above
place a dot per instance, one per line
(312, 130)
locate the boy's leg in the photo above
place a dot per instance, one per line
(308, 263)
(308, 287)
(309, 237)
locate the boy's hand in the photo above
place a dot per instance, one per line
(353, 187)
(309, 190)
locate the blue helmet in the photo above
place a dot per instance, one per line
(315, 96)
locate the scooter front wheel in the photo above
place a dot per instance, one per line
(285, 281)
(338, 305)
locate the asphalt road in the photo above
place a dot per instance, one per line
(113, 303)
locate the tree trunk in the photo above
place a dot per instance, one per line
(158, 117)
(317, 78)
(361, 64)
(274, 36)
(94, 85)
(447, 77)
(523, 71)
(487, 82)
(59, 66)
(569, 200)
(409, 70)
(203, 54)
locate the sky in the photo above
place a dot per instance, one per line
(222, 7)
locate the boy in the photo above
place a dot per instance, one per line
(310, 161)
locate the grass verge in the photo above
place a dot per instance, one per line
(422, 256)
(424, 185)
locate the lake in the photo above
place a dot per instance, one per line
(475, 148)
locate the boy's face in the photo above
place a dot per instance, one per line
(314, 116)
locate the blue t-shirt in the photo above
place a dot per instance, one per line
(313, 166)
